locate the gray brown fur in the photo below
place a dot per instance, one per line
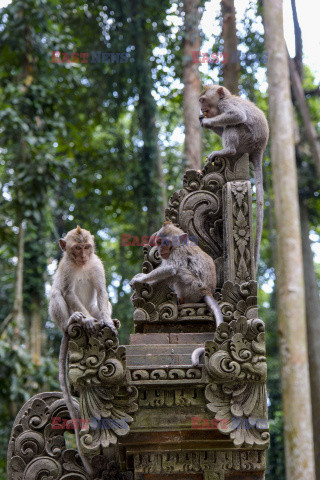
(243, 128)
(79, 293)
(189, 272)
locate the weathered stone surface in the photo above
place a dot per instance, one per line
(37, 444)
(239, 261)
(190, 423)
(217, 462)
(198, 207)
(97, 369)
(236, 364)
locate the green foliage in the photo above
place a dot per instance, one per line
(20, 379)
(80, 144)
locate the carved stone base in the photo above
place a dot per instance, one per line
(204, 465)
(36, 447)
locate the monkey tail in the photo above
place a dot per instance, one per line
(195, 356)
(215, 309)
(68, 399)
(256, 160)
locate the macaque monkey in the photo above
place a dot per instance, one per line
(78, 295)
(189, 271)
(243, 128)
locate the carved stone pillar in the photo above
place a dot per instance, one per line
(159, 417)
(239, 258)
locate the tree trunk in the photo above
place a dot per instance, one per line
(231, 66)
(313, 329)
(35, 333)
(298, 39)
(162, 182)
(191, 81)
(291, 301)
(308, 126)
(310, 281)
(17, 314)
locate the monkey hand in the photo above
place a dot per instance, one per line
(90, 324)
(76, 317)
(211, 157)
(112, 324)
(205, 122)
(139, 278)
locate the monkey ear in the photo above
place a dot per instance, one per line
(220, 92)
(183, 239)
(62, 244)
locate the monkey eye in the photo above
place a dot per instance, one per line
(87, 247)
(77, 247)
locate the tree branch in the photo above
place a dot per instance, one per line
(298, 39)
(313, 92)
(300, 99)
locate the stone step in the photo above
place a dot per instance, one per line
(168, 349)
(170, 338)
(160, 355)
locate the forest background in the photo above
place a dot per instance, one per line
(102, 140)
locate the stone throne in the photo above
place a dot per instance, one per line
(145, 412)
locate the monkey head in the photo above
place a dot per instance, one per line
(169, 237)
(78, 244)
(209, 98)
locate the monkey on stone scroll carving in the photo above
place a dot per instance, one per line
(79, 295)
(189, 271)
(243, 128)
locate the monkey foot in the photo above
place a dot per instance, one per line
(117, 323)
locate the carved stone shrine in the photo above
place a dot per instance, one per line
(145, 413)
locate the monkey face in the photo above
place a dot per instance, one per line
(81, 252)
(164, 245)
(208, 105)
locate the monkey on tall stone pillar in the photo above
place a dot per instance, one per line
(79, 295)
(243, 128)
(189, 271)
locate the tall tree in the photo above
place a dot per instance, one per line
(231, 66)
(307, 187)
(17, 313)
(191, 81)
(313, 330)
(290, 282)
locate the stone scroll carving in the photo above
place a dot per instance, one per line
(236, 300)
(97, 371)
(236, 364)
(37, 447)
(197, 207)
(153, 304)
